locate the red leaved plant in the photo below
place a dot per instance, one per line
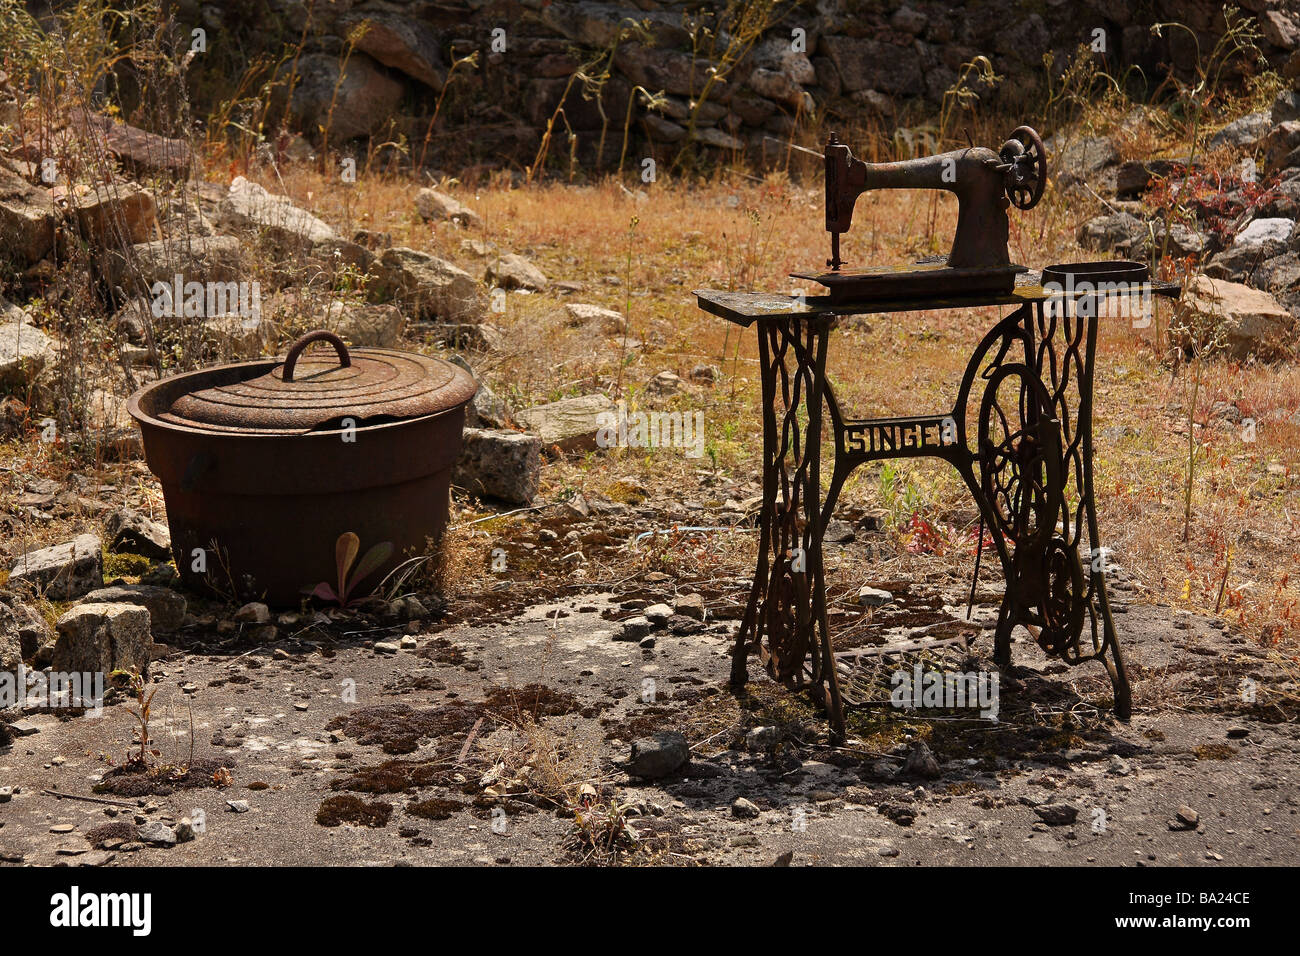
(345, 553)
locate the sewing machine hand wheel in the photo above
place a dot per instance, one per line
(1024, 165)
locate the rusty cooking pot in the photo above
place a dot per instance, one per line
(265, 464)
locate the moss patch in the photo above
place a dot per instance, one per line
(335, 811)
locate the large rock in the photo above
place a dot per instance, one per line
(777, 86)
(364, 324)
(1135, 175)
(1279, 274)
(653, 68)
(434, 206)
(130, 532)
(610, 322)
(64, 572)
(24, 349)
(166, 607)
(658, 756)
(601, 25)
(428, 287)
(778, 54)
(1081, 159)
(247, 206)
(1250, 321)
(34, 635)
(362, 103)
(26, 221)
(11, 645)
(875, 65)
(1116, 232)
(485, 409)
(1280, 144)
(402, 43)
(513, 271)
(1244, 131)
(571, 424)
(138, 151)
(499, 464)
(196, 259)
(1259, 241)
(103, 638)
(119, 215)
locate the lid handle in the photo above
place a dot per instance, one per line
(320, 335)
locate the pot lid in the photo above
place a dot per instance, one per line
(304, 393)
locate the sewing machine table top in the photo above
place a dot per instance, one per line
(918, 279)
(746, 308)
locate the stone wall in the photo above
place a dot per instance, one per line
(842, 61)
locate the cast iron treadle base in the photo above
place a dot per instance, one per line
(1026, 459)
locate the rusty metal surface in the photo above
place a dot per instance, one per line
(366, 385)
(266, 506)
(746, 308)
(886, 283)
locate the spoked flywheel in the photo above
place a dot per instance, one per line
(1020, 457)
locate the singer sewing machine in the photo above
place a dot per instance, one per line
(1019, 431)
(985, 184)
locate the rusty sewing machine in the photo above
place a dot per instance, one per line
(1023, 447)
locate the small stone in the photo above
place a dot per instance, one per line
(647, 643)
(253, 613)
(761, 739)
(299, 705)
(744, 840)
(888, 851)
(157, 834)
(6, 794)
(408, 643)
(1238, 733)
(1057, 814)
(184, 830)
(386, 647)
(62, 828)
(238, 806)
(658, 614)
(23, 728)
(690, 605)
(744, 809)
(1185, 818)
(130, 532)
(658, 755)
(921, 763)
(513, 271)
(873, 597)
(633, 629)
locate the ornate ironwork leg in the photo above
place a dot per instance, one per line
(1035, 456)
(785, 618)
